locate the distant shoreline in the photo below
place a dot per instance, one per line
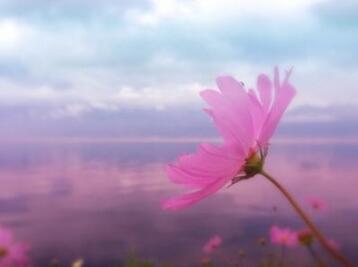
(173, 140)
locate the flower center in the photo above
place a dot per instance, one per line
(253, 165)
(3, 252)
(305, 237)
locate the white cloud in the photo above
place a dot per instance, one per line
(83, 96)
(213, 10)
(162, 9)
(122, 64)
(43, 47)
(105, 91)
(12, 34)
(69, 110)
(159, 98)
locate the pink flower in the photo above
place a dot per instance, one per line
(283, 236)
(246, 120)
(12, 253)
(212, 244)
(317, 203)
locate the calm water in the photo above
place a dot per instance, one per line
(101, 201)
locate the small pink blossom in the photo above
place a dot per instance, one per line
(212, 244)
(283, 236)
(246, 120)
(317, 203)
(12, 253)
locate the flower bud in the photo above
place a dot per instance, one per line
(305, 237)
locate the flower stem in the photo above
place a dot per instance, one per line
(315, 256)
(335, 253)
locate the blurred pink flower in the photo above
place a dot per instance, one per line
(317, 203)
(212, 244)
(12, 253)
(283, 236)
(246, 120)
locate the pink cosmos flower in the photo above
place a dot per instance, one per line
(283, 236)
(246, 120)
(12, 253)
(212, 244)
(317, 203)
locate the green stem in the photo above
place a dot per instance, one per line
(320, 237)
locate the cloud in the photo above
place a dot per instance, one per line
(68, 9)
(83, 96)
(338, 13)
(158, 54)
(12, 34)
(71, 121)
(211, 11)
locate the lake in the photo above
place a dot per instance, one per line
(101, 201)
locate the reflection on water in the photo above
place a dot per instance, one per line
(101, 201)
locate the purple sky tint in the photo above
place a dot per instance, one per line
(337, 123)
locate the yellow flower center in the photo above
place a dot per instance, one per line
(253, 165)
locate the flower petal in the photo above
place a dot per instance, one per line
(191, 198)
(230, 110)
(264, 87)
(257, 113)
(208, 170)
(283, 97)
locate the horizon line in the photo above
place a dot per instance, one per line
(158, 139)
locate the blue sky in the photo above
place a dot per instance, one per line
(71, 58)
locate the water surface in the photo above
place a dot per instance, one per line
(101, 201)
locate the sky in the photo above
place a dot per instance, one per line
(135, 67)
